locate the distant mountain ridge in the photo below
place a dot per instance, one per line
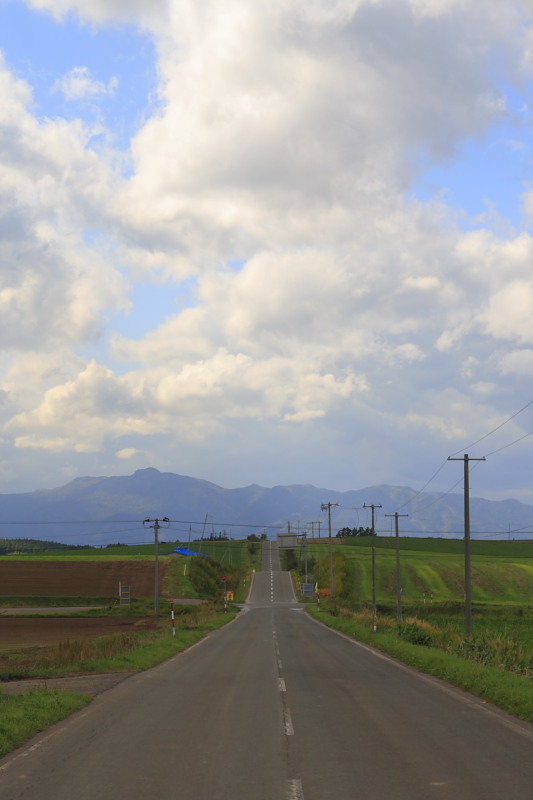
(109, 509)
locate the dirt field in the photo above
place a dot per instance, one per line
(23, 632)
(22, 637)
(77, 578)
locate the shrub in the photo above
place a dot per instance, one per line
(415, 632)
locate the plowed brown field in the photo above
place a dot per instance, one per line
(23, 632)
(77, 578)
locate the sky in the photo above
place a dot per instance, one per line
(275, 243)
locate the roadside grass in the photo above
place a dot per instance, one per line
(495, 668)
(23, 716)
(496, 663)
(136, 650)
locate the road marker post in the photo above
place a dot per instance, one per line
(225, 582)
(173, 617)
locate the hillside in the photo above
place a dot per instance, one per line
(100, 510)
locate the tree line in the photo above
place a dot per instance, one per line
(344, 533)
(8, 546)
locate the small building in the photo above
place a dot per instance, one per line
(287, 541)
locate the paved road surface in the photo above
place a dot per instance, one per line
(277, 707)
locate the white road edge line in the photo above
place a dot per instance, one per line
(281, 685)
(518, 726)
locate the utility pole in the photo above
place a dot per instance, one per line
(156, 527)
(373, 538)
(312, 524)
(327, 507)
(187, 559)
(398, 576)
(468, 566)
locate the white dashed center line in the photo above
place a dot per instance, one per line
(294, 790)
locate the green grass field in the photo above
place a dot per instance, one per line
(232, 552)
(432, 570)
(506, 548)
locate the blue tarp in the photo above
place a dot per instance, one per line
(184, 551)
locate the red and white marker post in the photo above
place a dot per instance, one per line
(172, 617)
(224, 580)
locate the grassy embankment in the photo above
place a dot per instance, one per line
(496, 663)
(22, 716)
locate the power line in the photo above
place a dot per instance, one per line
(440, 497)
(410, 500)
(468, 446)
(71, 522)
(139, 522)
(441, 494)
(510, 444)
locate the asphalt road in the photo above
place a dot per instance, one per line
(277, 707)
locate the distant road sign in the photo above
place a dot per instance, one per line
(308, 589)
(224, 578)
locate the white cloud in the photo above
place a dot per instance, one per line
(100, 11)
(288, 138)
(55, 286)
(78, 84)
(455, 416)
(127, 452)
(510, 313)
(422, 283)
(518, 362)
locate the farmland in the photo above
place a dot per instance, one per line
(92, 578)
(432, 570)
(431, 636)
(42, 631)
(75, 578)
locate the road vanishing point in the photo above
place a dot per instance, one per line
(275, 706)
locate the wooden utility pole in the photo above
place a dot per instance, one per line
(373, 539)
(398, 575)
(156, 527)
(468, 567)
(312, 524)
(327, 507)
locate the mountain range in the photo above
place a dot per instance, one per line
(104, 510)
